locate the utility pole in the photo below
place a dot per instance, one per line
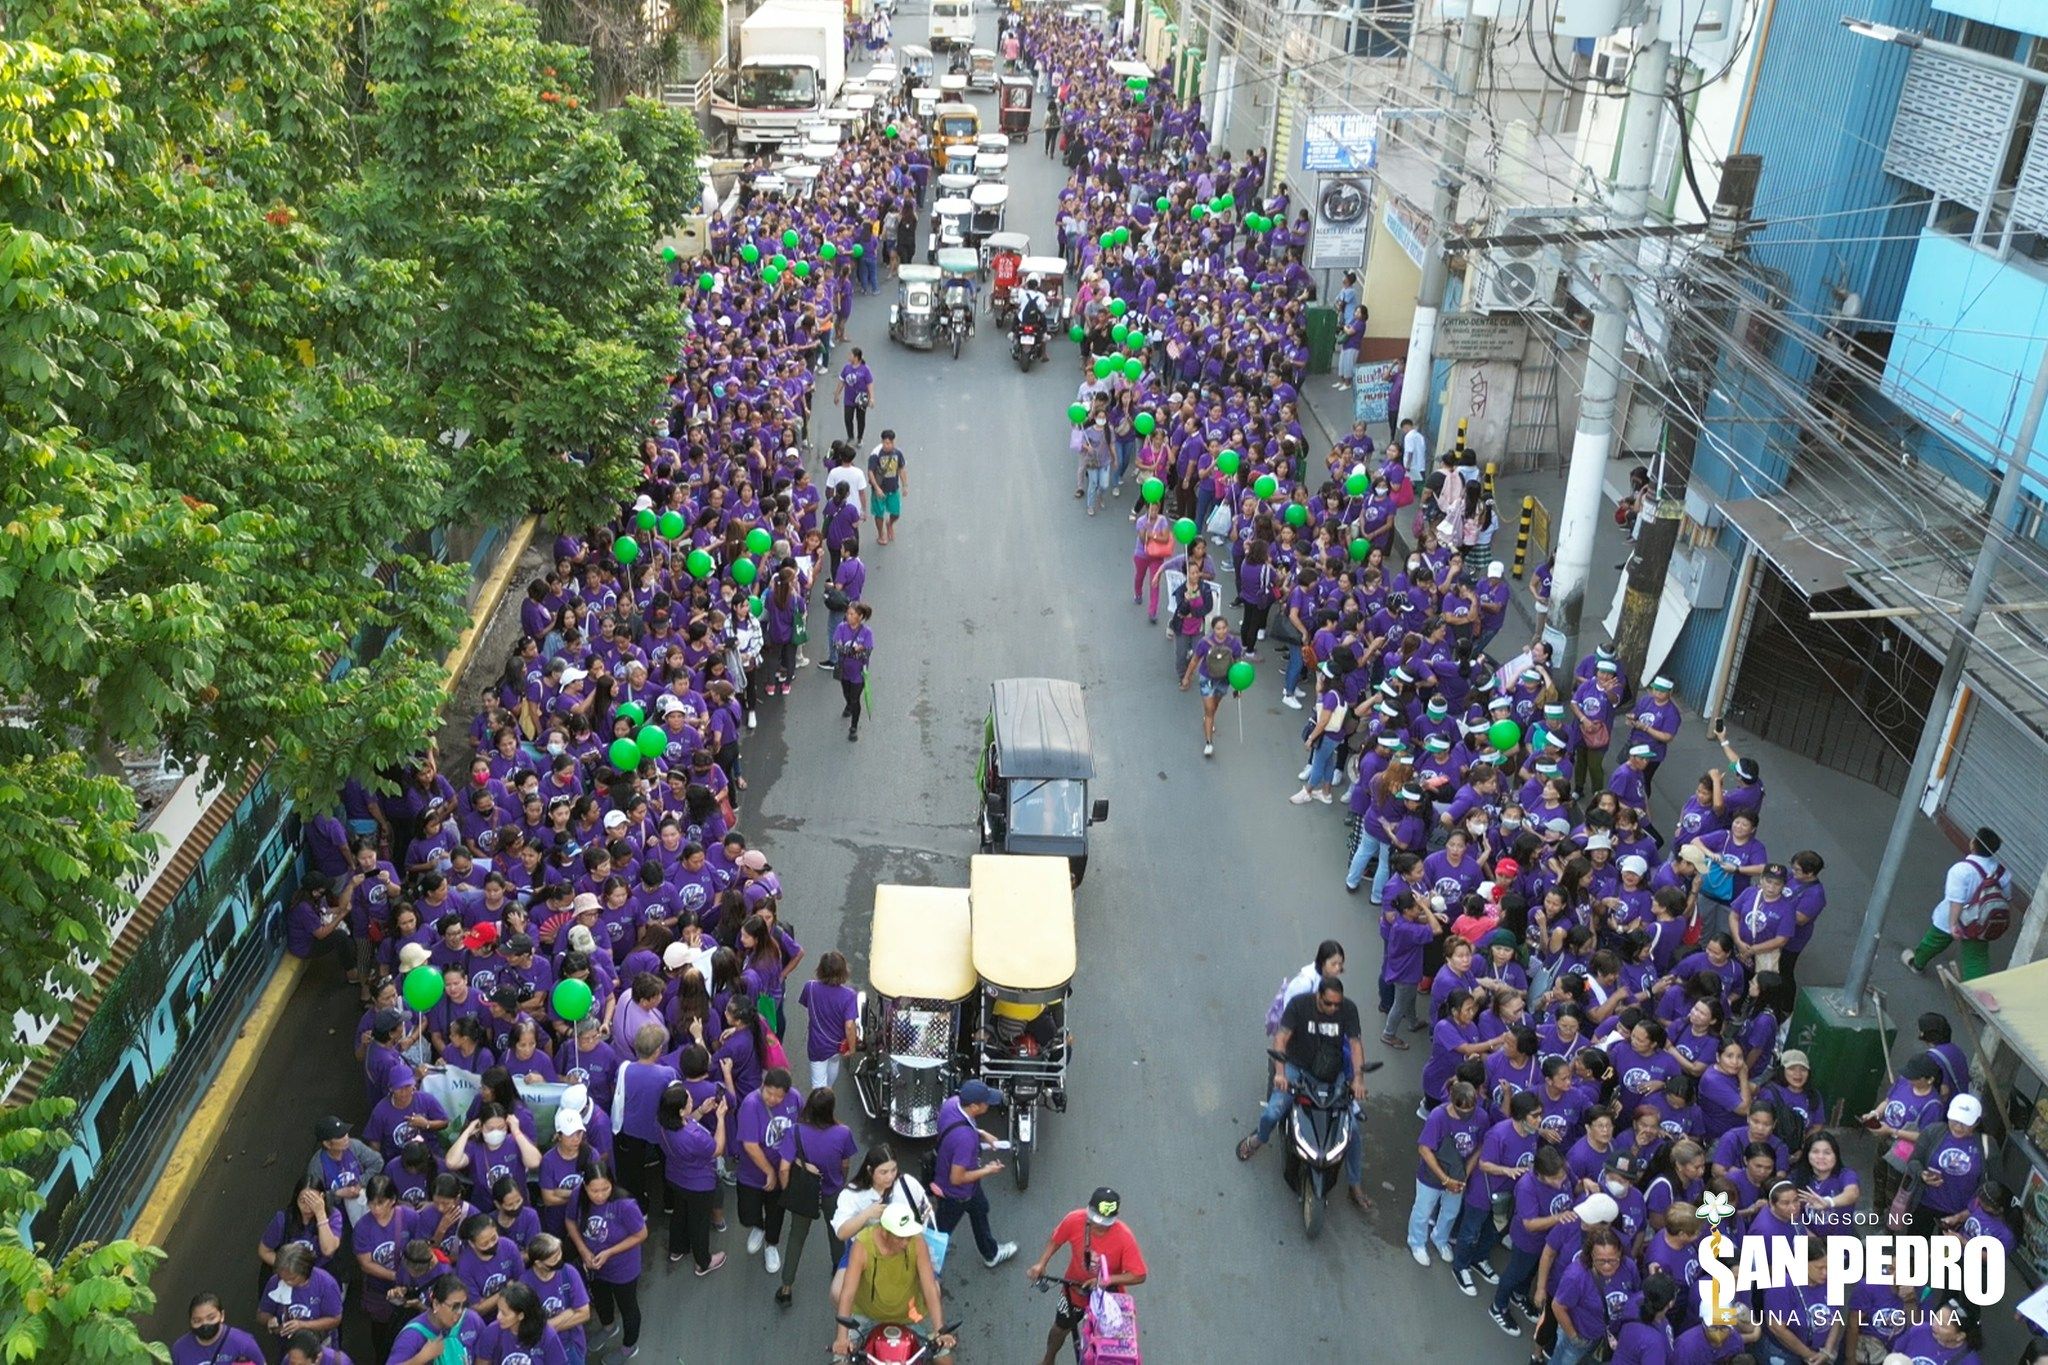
(1935, 729)
(1695, 351)
(1574, 562)
(1436, 267)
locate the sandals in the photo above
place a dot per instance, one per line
(1361, 1199)
(1247, 1147)
(1399, 1044)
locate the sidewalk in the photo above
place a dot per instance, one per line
(1809, 806)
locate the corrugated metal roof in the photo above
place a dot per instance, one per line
(2010, 657)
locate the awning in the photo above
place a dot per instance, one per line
(1806, 554)
(2013, 1005)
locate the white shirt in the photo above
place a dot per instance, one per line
(852, 475)
(906, 1191)
(1415, 455)
(1963, 879)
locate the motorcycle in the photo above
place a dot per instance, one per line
(1321, 1126)
(893, 1343)
(1027, 344)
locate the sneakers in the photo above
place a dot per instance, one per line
(717, 1260)
(1487, 1272)
(1208, 749)
(1290, 701)
(1914, 967)
(753, 721)
(1505, 1320)
(675, 1257)
(1421, 1256)
(1003, 1253)
(1300, 798)
(1302, 776)
(772, 1258)
(1464, 1279)
(1422, 1111)
(1324, 797)
(756, 1239)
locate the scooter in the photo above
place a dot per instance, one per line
(1321, 1126)
(892, 1343)
(1027, 344)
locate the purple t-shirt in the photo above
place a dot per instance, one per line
(486, 1275)
(1535, 1198)
(502, 1348)
(1502, 1146)
(318, 1297)
(830, 1007)
(607, 1224)
(959, 1145)
(1442, 1124)
(565, 1293)
(689, 1157)
(232, 1347)
(772, 1129)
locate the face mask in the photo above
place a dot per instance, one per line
(1511, 824)
(206, 1332)
(555, 746)
(1616, 1188)
(495, 1138)
(1476, 829)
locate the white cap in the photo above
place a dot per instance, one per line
(568, 1121)
(1496, 569)
(1597, 1208)
(643, 503)
(1634, 862)
(666, 703)
(674, 956)
(571, 675)
(410, 956)
(1965, 1109)
(581, 939)
(1599, 839)
(615, 819)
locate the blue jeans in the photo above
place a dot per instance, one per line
(1432, 1218)
(869, 271)
(1322, 762)
(1516, 1279)
(1126, 451)
(1290, 680)
(1570, 1350)
(1277, 1102)
(1205, 502)
(1476, 1236)
(1368, 847)
(975, 1208)
(1098, 485)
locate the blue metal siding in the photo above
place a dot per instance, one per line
(1823, 188)
(1691, 664)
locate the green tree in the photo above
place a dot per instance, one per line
(80, 1308)
(633, 46)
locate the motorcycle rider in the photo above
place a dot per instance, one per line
(888, 1273)
(1320, 1038)
(1031, 312)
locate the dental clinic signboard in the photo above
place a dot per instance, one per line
(1340, 142)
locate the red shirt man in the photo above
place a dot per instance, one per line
(1102, 1252)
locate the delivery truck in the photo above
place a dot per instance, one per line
(792, 65)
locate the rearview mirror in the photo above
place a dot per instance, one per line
(1100, 813)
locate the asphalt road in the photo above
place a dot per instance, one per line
(1204, 890)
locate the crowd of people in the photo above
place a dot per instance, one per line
(1604, 1003)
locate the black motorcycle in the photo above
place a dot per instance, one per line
(1027, 343)
(1321, 1126)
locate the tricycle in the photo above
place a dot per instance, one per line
(959, 266)
(920, 973)
(913, 318)
(1036, 763)
(1024, 956)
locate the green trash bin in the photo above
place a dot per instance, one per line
(1322, 339)
(1847, 1053)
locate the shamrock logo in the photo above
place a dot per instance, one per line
(1716, 1208)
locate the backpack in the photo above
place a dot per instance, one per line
(1216, 664)
(1987, 914)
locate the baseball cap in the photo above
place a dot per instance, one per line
(1501, 704)
(574, 675)
(1660, 683)
(1437, 744)
(1103, 1206)
(1921, 1069)
(1607, 666)
(1596, 1208)
(674, 956)
(1557, 825)
(1636, 863)
(899, 1221)
(568, 1121)
(1599, 839)
(1794, 1057)
(981, 1092)
(329, 1128)
(1408, 794)
(615, 819)
(754, 860)
(1641, 751)
(1496, 569)
(1748, 769)
(397, 1076)
(1965, 1109)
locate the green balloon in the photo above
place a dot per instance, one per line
(652, 741)
(644, 518)
(1356, 485)
(625, 755)
(1242, 676)
(1229, 200)
(1144, 424)
(633, 712)
(1117, 308)
(1077, 413)
(1229, 462)
(1105, 366)
(1136, 340)
(771, 274)
(668, 253)
(673, 525)
(1137, 94)
(1077, 332)
(859, 251)
(790, 237)
(756, 605)
(759, 542)
(1119, 333)
(1123, 236)
(750, 253)
(890, 131)
(779, 261)
(1134, 368)
(1360, 548)
(828, 252)
(707, 281)
(1185, 530)
(423, 988)
(1162, 203)
(1106, 240)
(1296, 514)
(1152, 490)
(744, 571)
(1503, 735)
(573, 1000)
(625, 549)
(1198, 212)
(700, 564)
(1266, 485)
(802, 269)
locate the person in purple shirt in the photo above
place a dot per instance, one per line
(211, 1341)
(855, 392)
(561, 1291)
(832, 1007)
(764, 1142)
(1407, 927)
(1508, 1150)
(521, 1334)
(446, 1317)
(1798, 1323)
(1591, 1294)
(1953, 1166)
(300, 1297)
(1543, 1201)
(853, 645)
(849, 580)
(607, 1228)
(487, 1262)
(959, 1173)
(1449, 1143)
(406, 1114)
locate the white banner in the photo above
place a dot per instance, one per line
(457, 1090)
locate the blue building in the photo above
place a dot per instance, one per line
(1870, 387)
